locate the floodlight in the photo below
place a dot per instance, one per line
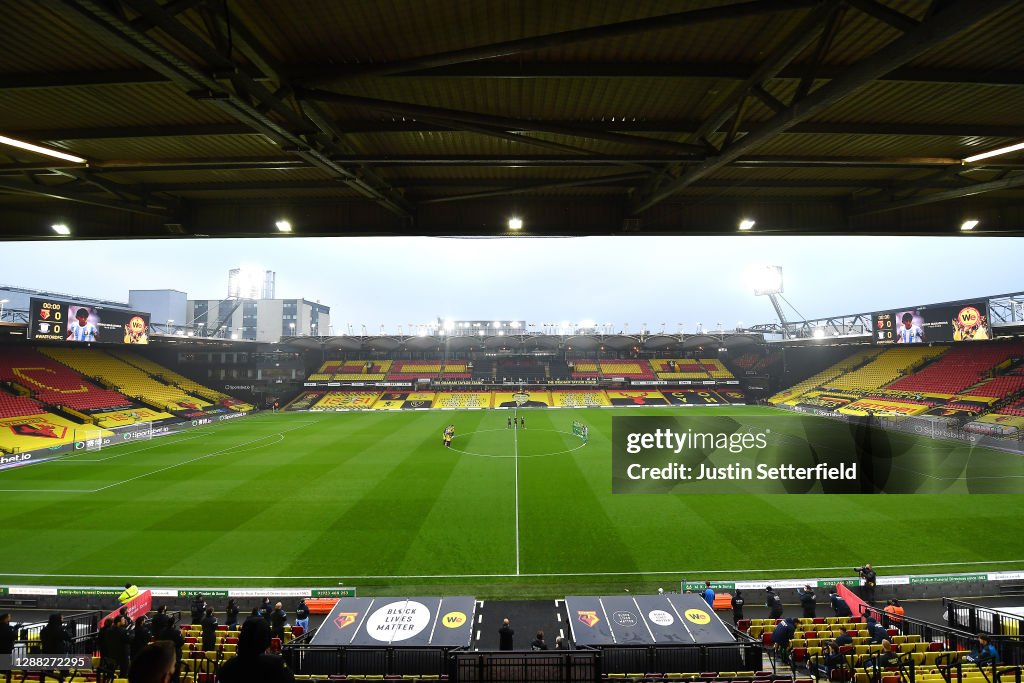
(819, 333)
(968, 225)
(283, 226)
(515, 223)
(747, 224)
(61, 229)
(765, 280)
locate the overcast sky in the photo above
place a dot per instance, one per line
(635, 280)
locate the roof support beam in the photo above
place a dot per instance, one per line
(518, 46)
(95, 19)
(936, 30)
(897, 20)
(67, 195)
(681, 127)
(519, 70)
(1008, 183)
(505, 123)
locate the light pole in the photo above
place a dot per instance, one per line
(2, 302)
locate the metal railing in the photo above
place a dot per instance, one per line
(977, 619)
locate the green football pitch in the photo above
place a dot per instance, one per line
(374, 500)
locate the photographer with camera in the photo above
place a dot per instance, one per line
(870, 578)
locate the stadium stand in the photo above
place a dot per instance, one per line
(689, 368)
(821, 378)
(755, 363)
(885, 368)
(353, 370)
(455, 370)
(958, 368)
(127, 378)
(184, 383)
(522, 370)
(579, 399)
(19, 406)
(410, 371)
(463, 400)
(54, 384)
(346, 400)
(628, 369)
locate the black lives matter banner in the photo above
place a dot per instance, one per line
(399, 622)
(66, 321)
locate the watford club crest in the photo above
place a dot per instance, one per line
(345, 619)
(588, 617)
(40, 429)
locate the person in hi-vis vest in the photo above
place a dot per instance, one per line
(128, 594)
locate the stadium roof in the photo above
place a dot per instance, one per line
(435, 117)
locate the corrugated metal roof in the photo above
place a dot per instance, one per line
(315, 34)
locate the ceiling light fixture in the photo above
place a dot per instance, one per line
(21, 144)
(994, 153)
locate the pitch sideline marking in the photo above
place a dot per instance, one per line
(515, 450)
(164, 469)
(351, 577)
(201, 457)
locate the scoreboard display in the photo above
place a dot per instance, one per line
(965, 322)
(64, 321)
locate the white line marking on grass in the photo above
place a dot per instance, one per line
(537, 455)
(515, 450)
(280, 436)
(137, 450)
(351, 577)
(201, 457)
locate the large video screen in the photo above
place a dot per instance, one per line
(964, 322)
(80, 323)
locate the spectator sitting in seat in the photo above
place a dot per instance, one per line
(889, 656)
(831, 659)
(844, 637)
(253, 664)
(984, 654)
